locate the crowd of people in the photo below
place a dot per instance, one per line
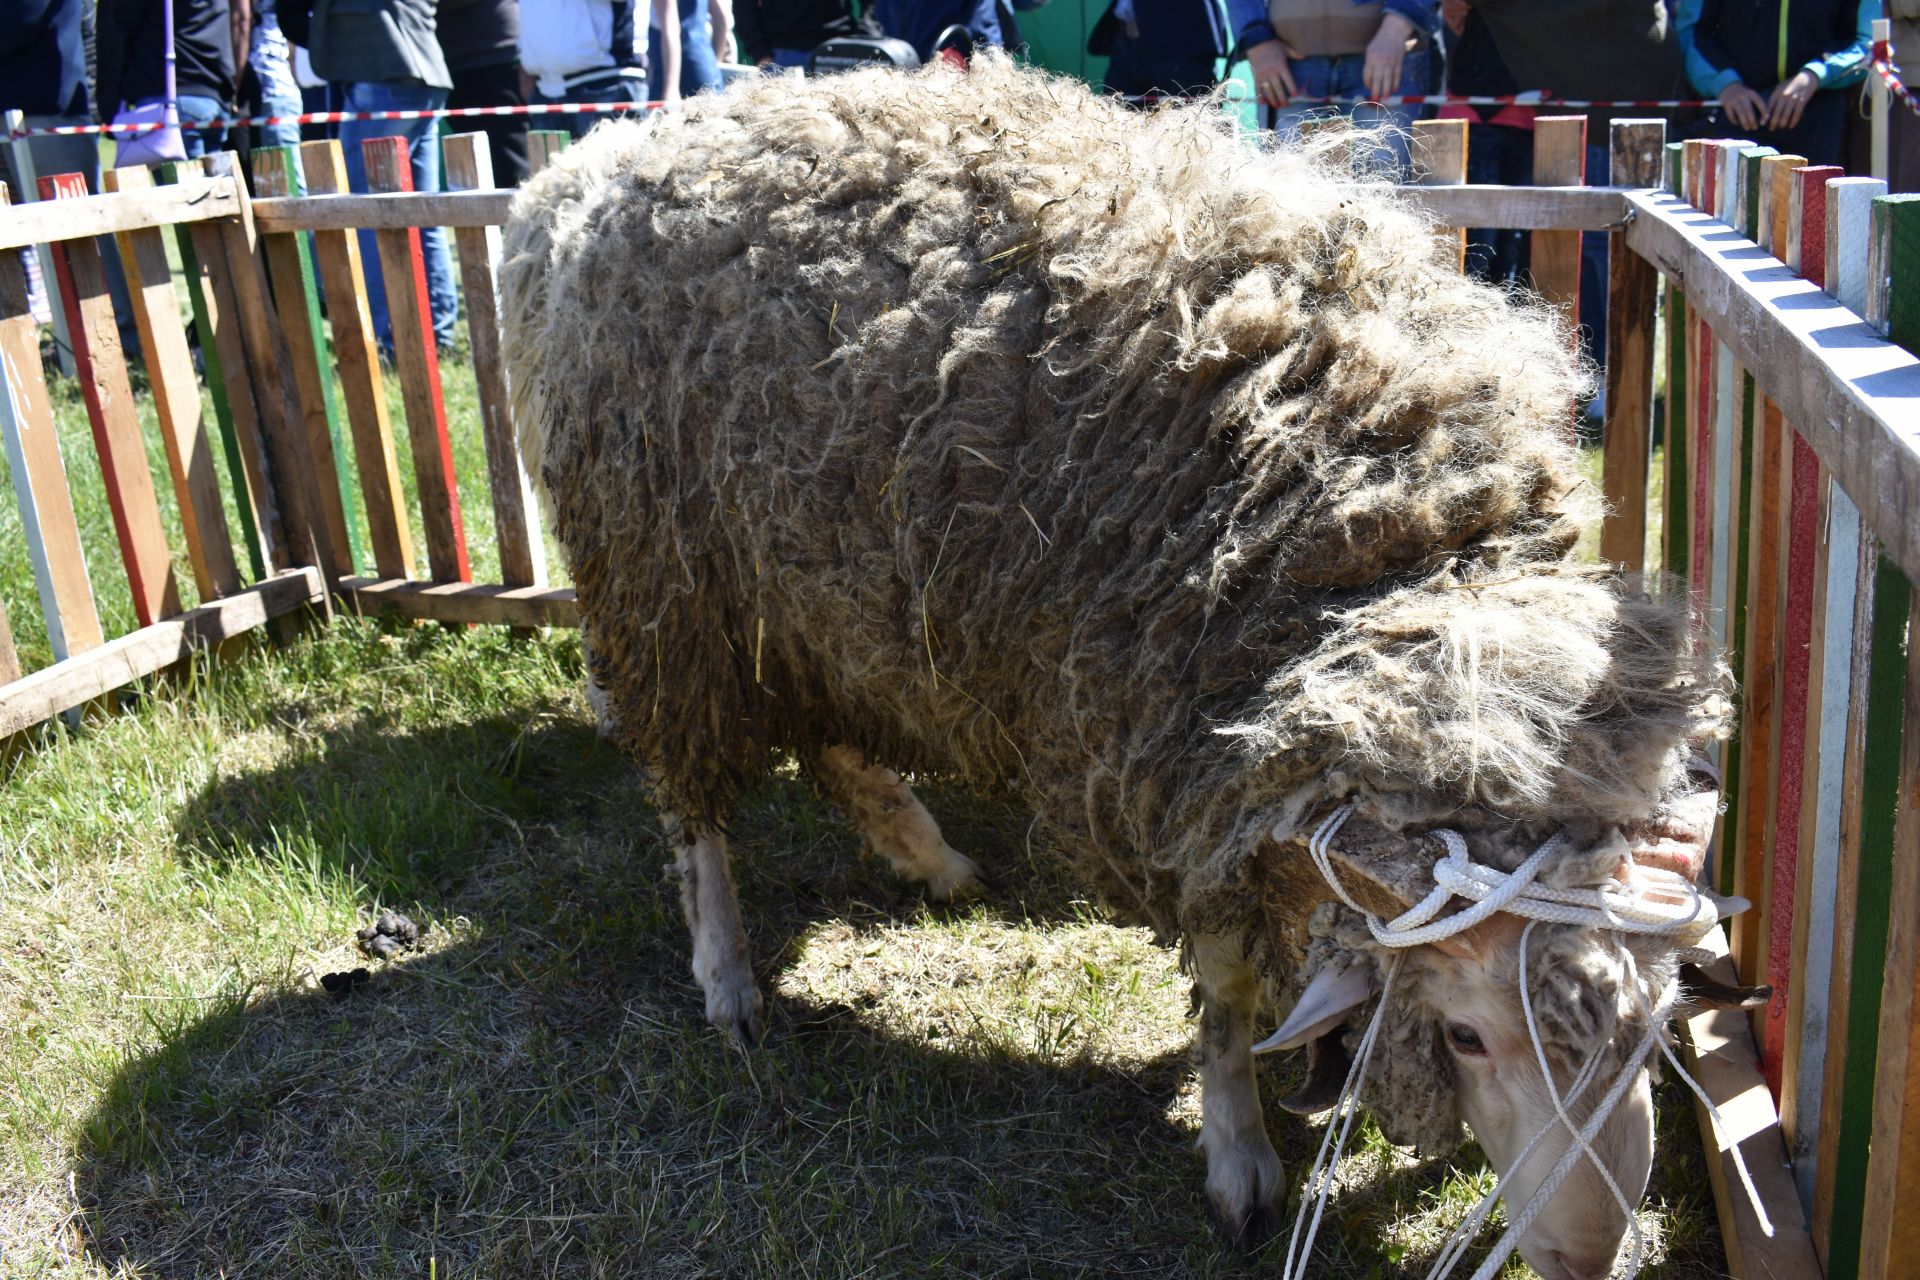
(1782, 72)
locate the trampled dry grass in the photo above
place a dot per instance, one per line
(996, 1090)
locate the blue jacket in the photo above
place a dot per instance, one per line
(1745, 40)
(1176, 28)
(43, 67)
(1247, 19)
(920, 22)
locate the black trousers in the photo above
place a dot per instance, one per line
(496, 86)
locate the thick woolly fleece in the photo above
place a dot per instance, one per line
(1004, 432)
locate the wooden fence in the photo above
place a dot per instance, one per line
(1766, 292)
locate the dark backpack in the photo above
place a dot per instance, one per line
(847, 53)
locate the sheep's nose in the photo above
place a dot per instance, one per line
(1572, 1268)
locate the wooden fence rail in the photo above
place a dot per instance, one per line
(1780, 416)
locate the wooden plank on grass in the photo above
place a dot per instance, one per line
(1440, 159)
(1891, 1233)
(354, 347)
(78, 680)
(217, 314)
(1676, 521)
(88, 216)
(176, 397)
(543, 145)
(469, 166)
(415, 357)
(1717, 1047)
(117, 441)
(1752, 187)
(1776, 178)
(296, 477)
(9, 656)
(1849, 393)
(1796, 1017)
(1807, 221)
(1559, 160)
(276, 172)
(39, 475)
(1867, 832)
(1633, 294)
(1892, 1219)
(463, 602)
(1772, 914)
(347, 211)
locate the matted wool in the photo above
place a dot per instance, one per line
(1008, 433)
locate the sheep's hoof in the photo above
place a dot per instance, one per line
(957, 880)
(1245, 1198)
(1257, 1227)
(736, 1008)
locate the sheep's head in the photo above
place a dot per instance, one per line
(1454, 1044)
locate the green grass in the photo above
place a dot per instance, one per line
(996, 1090)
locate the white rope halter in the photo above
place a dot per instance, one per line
(1663, 904)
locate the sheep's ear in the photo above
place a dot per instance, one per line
(1324, 1005)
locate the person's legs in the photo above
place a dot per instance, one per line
(791, 57)
(1497, 153)
(1391, 126)
(699, 65)
(423, 145)
(1312, 78)
(497, 86)
(200, 137)
(271, 60)
(423, 148)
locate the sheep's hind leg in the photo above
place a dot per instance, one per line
(893, 822)
(1244, 1192)
(712, 905)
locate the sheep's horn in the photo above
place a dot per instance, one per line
(1321, 1007)
(1327, 1065)
(1699, 988)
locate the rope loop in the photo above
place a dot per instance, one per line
(1651, 902)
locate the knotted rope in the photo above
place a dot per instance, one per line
(1666, 904)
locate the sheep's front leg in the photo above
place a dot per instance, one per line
(893, 822)
(1244, 1191)
(712, 906)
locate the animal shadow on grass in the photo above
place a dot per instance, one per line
(535, 1091)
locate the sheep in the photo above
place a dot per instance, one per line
(976, 425)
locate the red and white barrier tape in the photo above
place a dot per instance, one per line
(1534, 99)
(1882, 62)
(339, 117)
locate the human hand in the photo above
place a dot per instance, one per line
(1272, 77)
(1788, 101)
(1454, 14)
(1386, 54)
(1743, 106)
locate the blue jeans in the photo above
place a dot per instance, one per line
(627, 84)
(423, 147)
(196, 111)
(791, 57)
(1341, 77)
(699, 65)
(271, 60)
(1498, 153)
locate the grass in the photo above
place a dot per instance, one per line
(996, 1090)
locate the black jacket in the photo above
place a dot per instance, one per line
(43, 64)
(1745, 35)
(766, 25)
(131, 36)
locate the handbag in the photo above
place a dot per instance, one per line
(147, 146)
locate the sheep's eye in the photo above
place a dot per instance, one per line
(1465, 1039)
